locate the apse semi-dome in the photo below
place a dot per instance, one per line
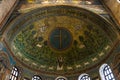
(60, 40)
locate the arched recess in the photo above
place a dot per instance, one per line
(84, 76)
(106, 72)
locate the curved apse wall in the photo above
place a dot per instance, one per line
(69, 18)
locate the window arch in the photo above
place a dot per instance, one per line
(36, 77)
(106, 72)
(61, 78)
(84, 76)
(14, 74)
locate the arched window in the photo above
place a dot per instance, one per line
(36, 77)
(61, 78)
(14, 74)
(106, 72)
(84, 77)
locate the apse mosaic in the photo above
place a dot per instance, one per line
(59, 40)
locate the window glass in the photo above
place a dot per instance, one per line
(106, 72)
(84, 77)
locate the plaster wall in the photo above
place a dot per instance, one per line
(114, 7)
(5, 8)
